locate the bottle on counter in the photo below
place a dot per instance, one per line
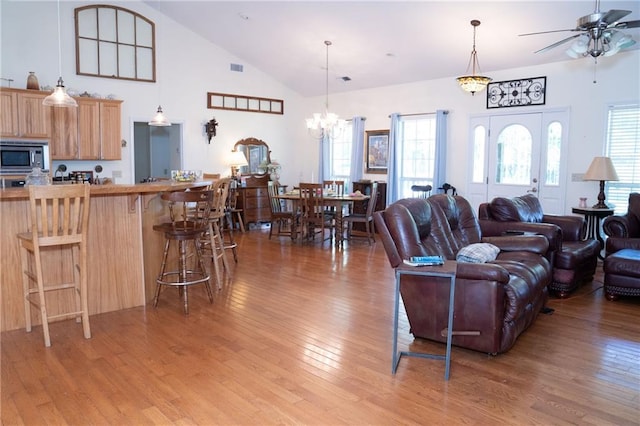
(37, 177)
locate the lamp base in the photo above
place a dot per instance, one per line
(601, 198)
(600, 206)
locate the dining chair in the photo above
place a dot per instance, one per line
(422, 191)
(280, 215)
(366, 218)
(234, 214)
(313, 217)
(335, 186)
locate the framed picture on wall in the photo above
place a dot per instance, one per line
(377, 150)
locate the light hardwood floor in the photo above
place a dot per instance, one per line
(303, 336)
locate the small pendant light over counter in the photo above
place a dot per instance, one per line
(59, 97)
(159, 120)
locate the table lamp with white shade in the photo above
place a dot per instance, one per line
(601, 169)
(237, 159)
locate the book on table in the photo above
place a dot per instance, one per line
(424, 261)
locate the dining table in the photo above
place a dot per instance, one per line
(339, 202)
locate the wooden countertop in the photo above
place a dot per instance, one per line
(116, 189)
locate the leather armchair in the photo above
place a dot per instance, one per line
(574, 260)
(624, 230)
(499, 299)
(622, 263)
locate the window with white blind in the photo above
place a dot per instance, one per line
(623, 147)
(340, 155)
(417, 142)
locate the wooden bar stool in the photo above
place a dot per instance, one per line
(215, 228)
(189, 218)
(59, 218)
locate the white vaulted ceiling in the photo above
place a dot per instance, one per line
(380, 43)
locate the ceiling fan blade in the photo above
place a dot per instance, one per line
(614, 15)
(628, 24)
(556, 44)
(546, 32)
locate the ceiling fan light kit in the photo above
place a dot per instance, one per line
(473, 83)
(599, 34)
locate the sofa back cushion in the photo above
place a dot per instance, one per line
(526, 208)
(634, 208)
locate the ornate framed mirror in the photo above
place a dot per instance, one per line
(257, 153)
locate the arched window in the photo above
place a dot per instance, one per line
(114, 42)
(514, 155)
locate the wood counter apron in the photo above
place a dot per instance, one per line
(124, 251)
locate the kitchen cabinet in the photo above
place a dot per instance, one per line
(110, 125)
(22, 114)
(89, 132)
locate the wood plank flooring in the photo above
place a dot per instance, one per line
(302, 335)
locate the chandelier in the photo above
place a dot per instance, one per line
(327, 124)
(473, 83)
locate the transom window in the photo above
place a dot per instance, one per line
(114, 42)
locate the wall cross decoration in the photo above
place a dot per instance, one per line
(512, 93)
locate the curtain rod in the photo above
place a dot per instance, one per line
(420, 113)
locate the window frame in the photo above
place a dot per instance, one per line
(118, 45)
(408, 161)
(625, 133)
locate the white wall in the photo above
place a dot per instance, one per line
(189, 66)
(569, 84)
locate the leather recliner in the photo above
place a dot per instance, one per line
(622, 264)
(574, 259)
(499, 299)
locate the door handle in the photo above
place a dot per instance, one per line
(534, 189)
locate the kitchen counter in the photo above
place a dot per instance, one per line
(110, 189)
(124, 252)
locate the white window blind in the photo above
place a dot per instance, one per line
(340, 155)
(623, 147)
(417, 152)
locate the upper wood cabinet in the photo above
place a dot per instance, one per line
(110, 125)
(23, 115)
(89, 132)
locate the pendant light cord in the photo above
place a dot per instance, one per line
(59, 45)
(326, 102)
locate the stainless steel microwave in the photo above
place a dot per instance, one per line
(19, 157)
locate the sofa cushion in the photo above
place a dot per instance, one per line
(478, 253)
(526, 208)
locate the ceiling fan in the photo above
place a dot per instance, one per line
(598, 34)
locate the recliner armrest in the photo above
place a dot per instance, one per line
(572, 226)
(615, 244)
(482, 271)
(553, 233)
(532, 243)
(621, 226)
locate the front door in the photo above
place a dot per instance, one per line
(523, 154)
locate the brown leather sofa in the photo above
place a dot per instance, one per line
(574, 260)
(622, 264)
(499, 299)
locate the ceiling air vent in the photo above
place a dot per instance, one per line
(236, 67)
